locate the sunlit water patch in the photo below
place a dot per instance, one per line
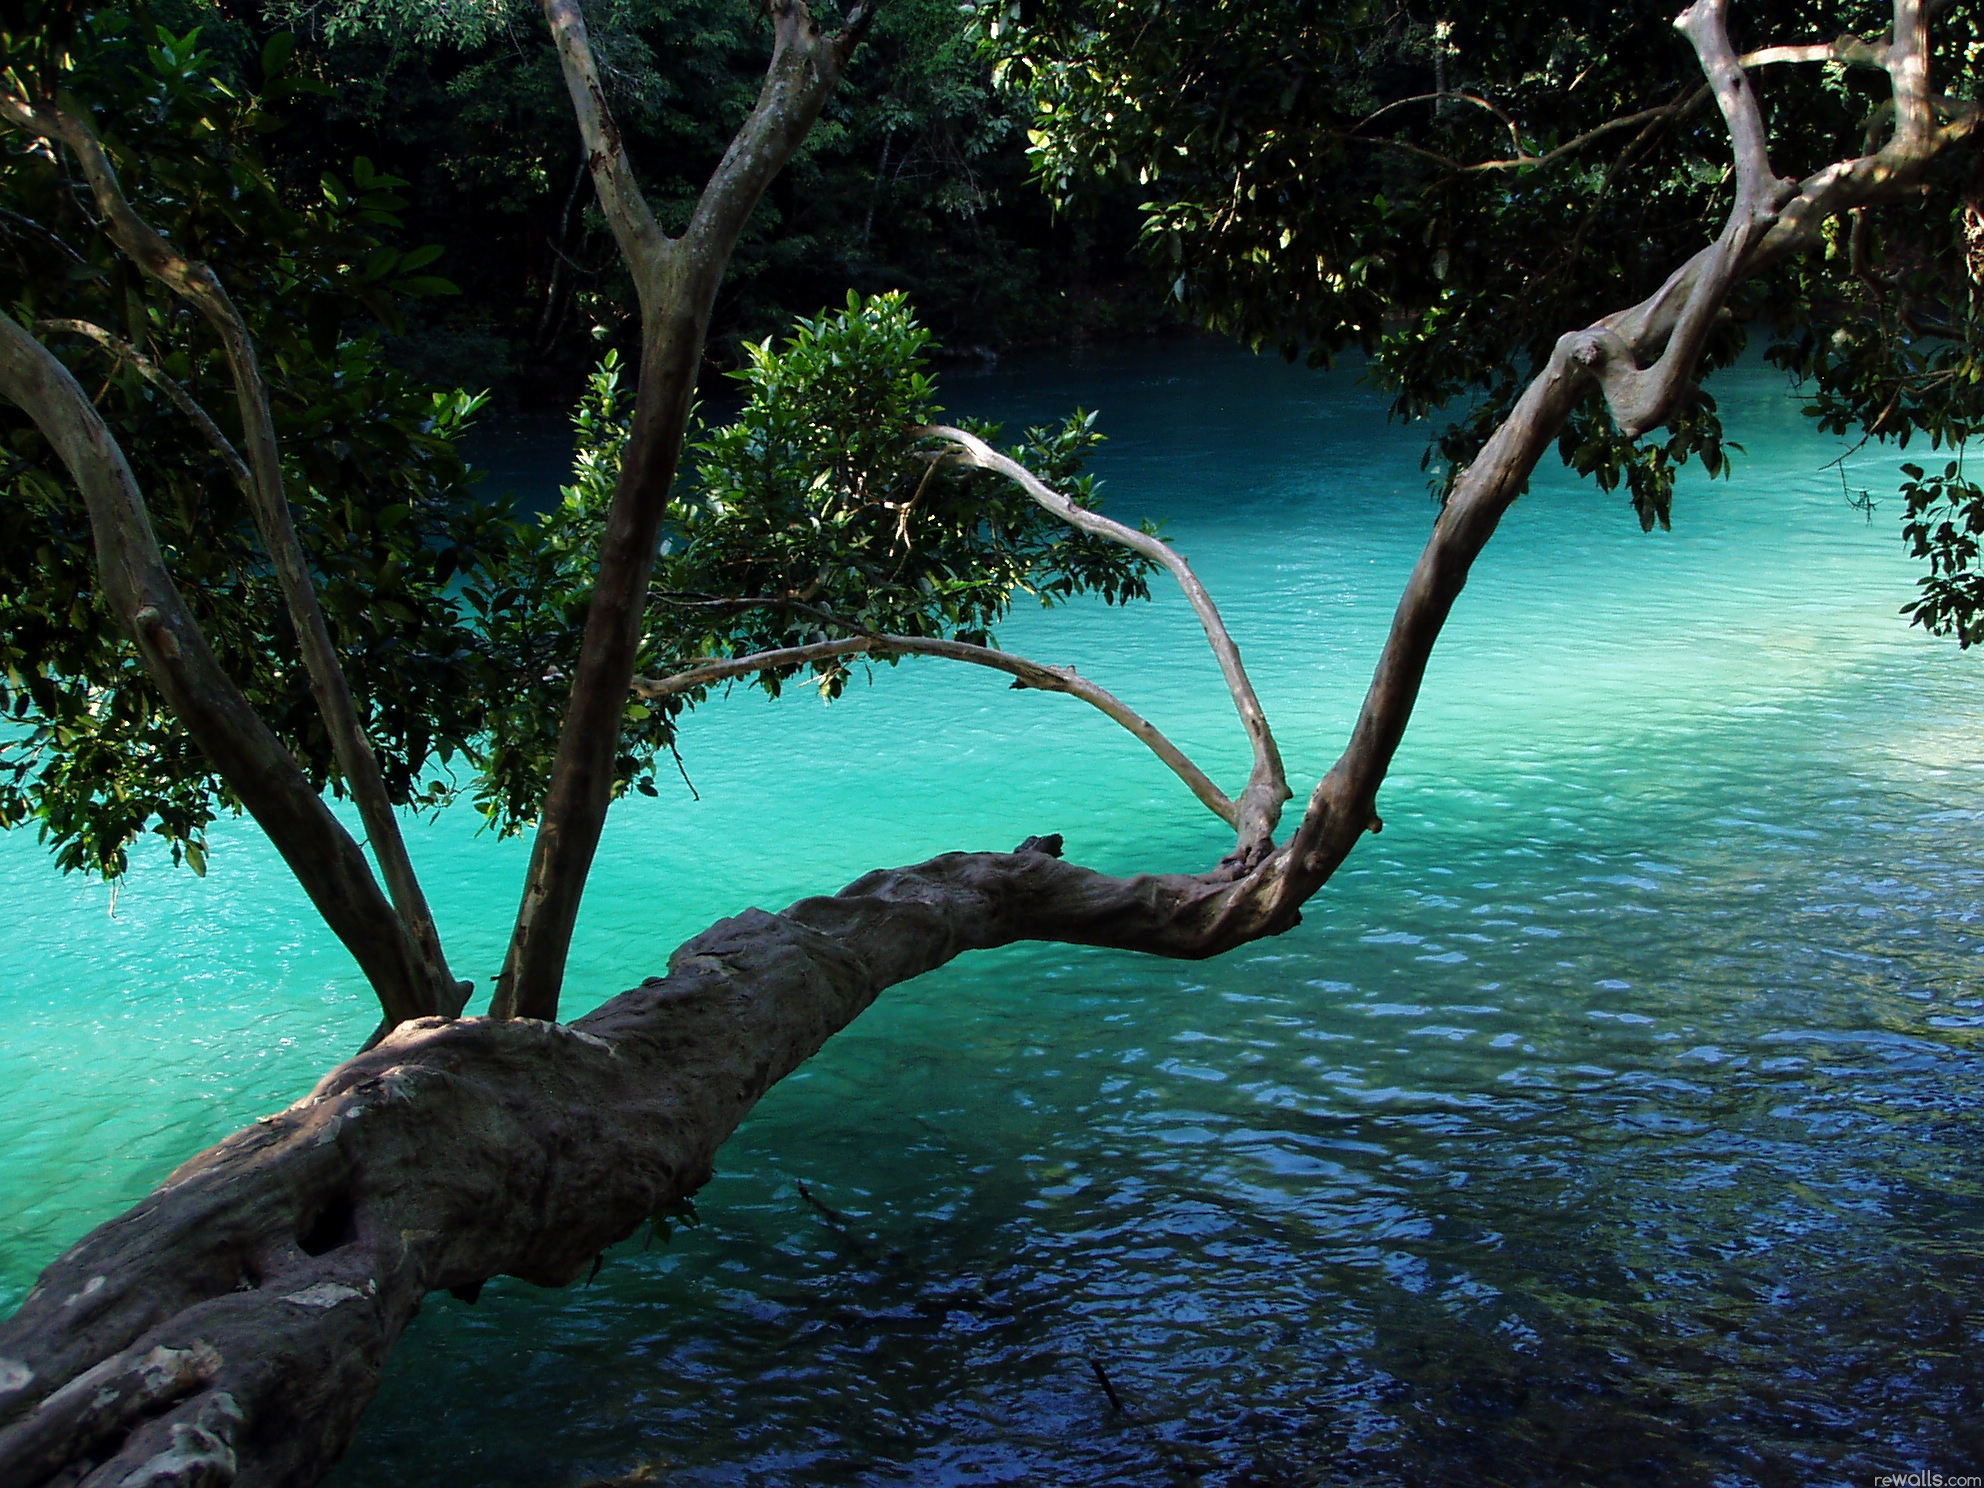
(1613, 1117)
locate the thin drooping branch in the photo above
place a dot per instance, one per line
(1522, 159)
(678, 280)
(142, 597)
(159, 378)
(1267, 783)
(201, 288)
(1032, 674)
(1523, 155)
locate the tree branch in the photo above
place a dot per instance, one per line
(805, 65)
(1641, 397)
(1522, 158)
(1342, 806)
(1848, 50)
(1030, 674)
(1907, 61)
(142, 596)
(1267, 783)
(157, 376)
(200, 287)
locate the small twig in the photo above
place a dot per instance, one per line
(683, 770)
(1522, 159)
(833, 1216)
(1102, 1379)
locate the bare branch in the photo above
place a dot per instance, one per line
(1515, 136)
(157, 376)
(1522, 159)
(1030, 674)
(200, 287)
(1848, 50)
(1267, 784)
(142, 596)
(1640, 397)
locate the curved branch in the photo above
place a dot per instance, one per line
(1515, 136)
(157, 376)
(1030, 674)
(1267, 784)
(1522, 159)
(200, 287)
(1640, 397)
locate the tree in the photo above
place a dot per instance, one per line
(231, 1326)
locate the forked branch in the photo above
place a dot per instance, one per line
(1641, 397)
(678, 280)
(642, 242)
(1267, 783)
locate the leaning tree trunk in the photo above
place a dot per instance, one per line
(232, 1327)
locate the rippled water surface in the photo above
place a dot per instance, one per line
(1614, 1116)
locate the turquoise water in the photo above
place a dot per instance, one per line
(1613, 1117)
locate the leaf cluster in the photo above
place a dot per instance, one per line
(913, 178)
(1448, 197)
